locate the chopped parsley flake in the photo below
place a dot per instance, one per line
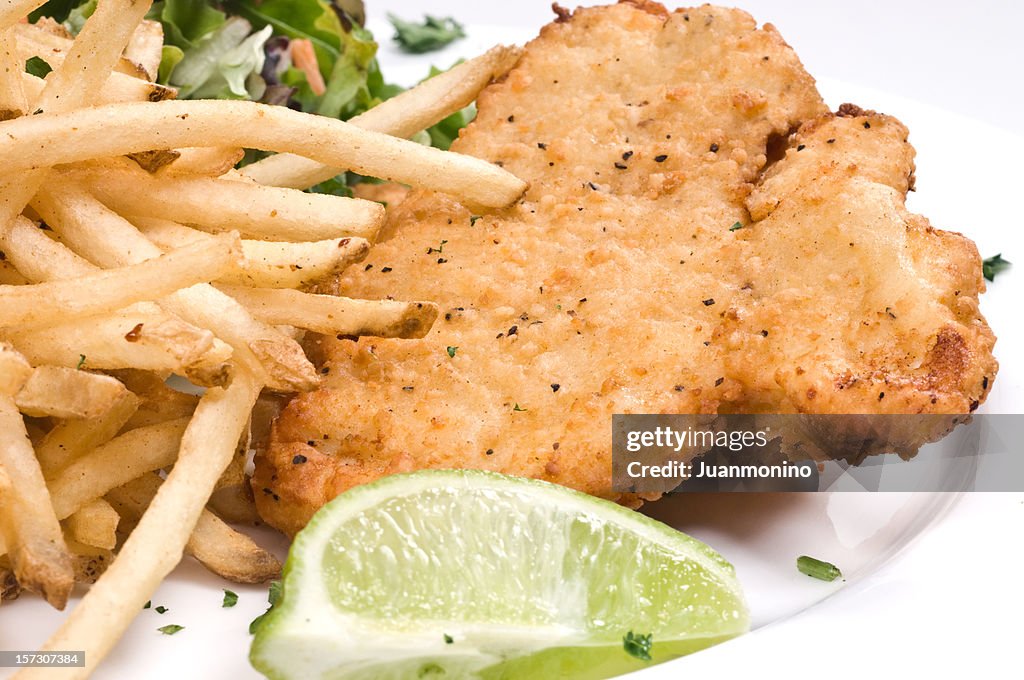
(473, 219)
(161, 610)
(517, 407)
(433, 34)
(448, 639)
(230, 599)
(815, 568)
(452, 351)
(993, 265)
(637, 645)
(81, 361)
(171, 629)
(439, 249)
(736, 226)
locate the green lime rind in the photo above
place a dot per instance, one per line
(525, 578)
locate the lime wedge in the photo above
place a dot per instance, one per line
(470, 574)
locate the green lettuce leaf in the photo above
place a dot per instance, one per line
(170, 57)
(224, 64)
(186, 21)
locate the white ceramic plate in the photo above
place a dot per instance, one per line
(926, 574)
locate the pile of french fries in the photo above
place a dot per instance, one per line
(131, 250)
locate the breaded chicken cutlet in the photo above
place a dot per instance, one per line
(700, 236)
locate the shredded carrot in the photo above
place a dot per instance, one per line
(304, 59)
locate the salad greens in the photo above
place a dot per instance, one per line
(310, 55)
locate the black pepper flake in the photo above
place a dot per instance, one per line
(984, 383)
(974, 405)
(621, 166)
(661, 158)
(267, 491)
(489, 452)
(888, 310)
(299, 459)
(511, 119)
(551, 164)
(275, 497)
(311, 443)
(441, 260)
(831, 141)
(385, 270)
(367, 267)
(881, 396)
(542, 146)
(499, 336)
(3, 256)
(679, 388)
(719, 382)
(407, 388)
(555, 387)
(708, 302)
(867, 125)
(592, 186)
(325, 370)
(714, 148)
(626, 156)
(764, 334)
(512, 331)
(801, 147)
(582, 300)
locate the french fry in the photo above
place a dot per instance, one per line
(39, 258)
(120, 88)
(88, 562)
(94, 524)
(28, 525)
(67, 393)
(105, 291)
(43, 259)
(337, 315)
(13, 11)
(210, 161)
(128, 339)
(51, 47)
(401, 116)
(12, 95)
(47, 139)
(115, 463)
(159, 540)
(9, 588)
(107, 238)
(145, 47)
(80, 75)
(268, 264)
(224, 551)
(72, 439)
(158, 403)
(257, 211)
(232, 495)
(9, 276)
(152, 161)
(77, 81)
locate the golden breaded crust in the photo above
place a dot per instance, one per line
(616, 285)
